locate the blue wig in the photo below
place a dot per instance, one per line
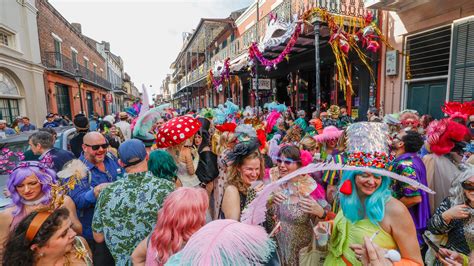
(374, 204)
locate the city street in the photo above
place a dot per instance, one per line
(237, 132)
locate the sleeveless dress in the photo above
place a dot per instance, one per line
(345, 233)
(186, 179)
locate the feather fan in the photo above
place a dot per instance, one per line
(146, 121)
(145, 101)
(256, 210)
(73, 168)
(228, 242)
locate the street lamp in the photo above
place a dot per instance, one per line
(78, 78)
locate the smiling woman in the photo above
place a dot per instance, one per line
(45, 238)
(247, 167)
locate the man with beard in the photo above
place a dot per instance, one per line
(103, 169)
(406, 144)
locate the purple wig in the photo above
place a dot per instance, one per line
(45, 176)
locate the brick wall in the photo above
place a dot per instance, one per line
(51, 21)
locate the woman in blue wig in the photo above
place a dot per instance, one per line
(367, 207)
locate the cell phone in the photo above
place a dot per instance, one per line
(431, 244)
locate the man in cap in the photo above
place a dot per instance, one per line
(126, 210)
(4, 129)
(50, 121)
(81, 123)
(124, 126)
(103, 169)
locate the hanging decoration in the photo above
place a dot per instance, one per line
(361, 34)
(222, 71)
(255, 53)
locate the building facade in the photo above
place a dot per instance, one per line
(21, 74)
(433, 56)
(75, 76)
(294, 82)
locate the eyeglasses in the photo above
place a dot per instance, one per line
(467, 186)
(96, 147)
(286, 161)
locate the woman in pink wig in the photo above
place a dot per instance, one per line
(183, 213)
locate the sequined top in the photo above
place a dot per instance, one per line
(460, 231)
(296, 225)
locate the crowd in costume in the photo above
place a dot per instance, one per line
(252, 186)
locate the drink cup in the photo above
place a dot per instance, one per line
(323, 236)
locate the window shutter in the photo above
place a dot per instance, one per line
(462, 61)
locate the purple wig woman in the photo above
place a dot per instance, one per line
(45, 176)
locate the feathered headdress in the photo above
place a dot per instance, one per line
(274, 106)
(242, 150)
(272, 120)
(442, 135)
(226, 127)
(458, 110)
(245, 132)
(228, 242)
(207, 113)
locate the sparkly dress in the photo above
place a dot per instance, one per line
(296, 226)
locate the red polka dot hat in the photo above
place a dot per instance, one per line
(176, 131)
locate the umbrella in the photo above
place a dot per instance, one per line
(176, 131)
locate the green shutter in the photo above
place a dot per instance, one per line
(462, 65)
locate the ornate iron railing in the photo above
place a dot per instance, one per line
(59, 62)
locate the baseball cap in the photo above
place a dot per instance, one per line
(132, 152)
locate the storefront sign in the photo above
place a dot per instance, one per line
(263, 84)
(391, 63)
(108, 98)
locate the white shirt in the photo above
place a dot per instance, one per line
(125, 128)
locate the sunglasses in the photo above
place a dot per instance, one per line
(467, 186)
(96, 147)
(286, 161)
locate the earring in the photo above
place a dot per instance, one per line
(41, 254)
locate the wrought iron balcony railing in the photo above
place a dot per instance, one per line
(61, 63)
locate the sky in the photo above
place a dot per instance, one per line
(147, 34)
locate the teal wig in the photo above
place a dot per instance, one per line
(374, 204)
(162, 165)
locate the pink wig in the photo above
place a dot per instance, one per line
(183, 213)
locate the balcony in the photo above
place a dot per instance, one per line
(119, 89)
(62, 64)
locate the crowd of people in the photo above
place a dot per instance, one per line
(253, 186)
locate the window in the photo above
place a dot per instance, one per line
(74, 59)
(462, 61)
(86, 67)
(95, 72)
(57, 53)
(429, 53)
(9, 108)
(3, 38)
